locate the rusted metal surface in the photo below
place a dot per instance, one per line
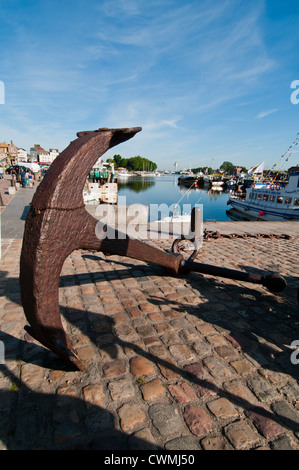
(209, 235)
(58, 223)
(273, 282)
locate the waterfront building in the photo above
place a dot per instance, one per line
(53, 153)
(22, 156)
(4, 160)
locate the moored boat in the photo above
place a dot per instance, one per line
(217, 185)
(123, 174)
(270, 201)
(188, 180)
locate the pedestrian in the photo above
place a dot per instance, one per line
(26, 177)
(30, 180)
(13, 177)
(1, 173)
(23, 179)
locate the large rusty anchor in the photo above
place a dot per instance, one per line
(58, 223)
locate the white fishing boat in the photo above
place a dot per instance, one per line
(217, 186)
(270, 201)
(147, 174)
(123, 174)
(176, 218)
(93, 193)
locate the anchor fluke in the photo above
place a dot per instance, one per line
(274, 282)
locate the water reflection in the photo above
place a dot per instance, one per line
(237, 216)
(166, 190)
(136, 184)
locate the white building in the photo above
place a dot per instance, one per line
(41, 156)
(22, 155)
(53, 153)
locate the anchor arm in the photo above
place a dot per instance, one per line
(56, 225)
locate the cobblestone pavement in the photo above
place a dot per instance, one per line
(187, 362)
(5, 183)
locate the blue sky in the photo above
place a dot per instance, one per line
(208, 81)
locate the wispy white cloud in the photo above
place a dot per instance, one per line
(263, 114)
(178, 69)
(192, 58)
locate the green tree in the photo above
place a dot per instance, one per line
(117, 160)
(123, 162)
(227, 167)
(137, 163)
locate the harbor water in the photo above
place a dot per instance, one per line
(164, 194)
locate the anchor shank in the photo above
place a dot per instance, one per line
(137, 249)
(175, 263)
(273, 282)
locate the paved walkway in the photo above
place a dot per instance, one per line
(5, 197)
(186, 362)
(14, 216)
(183, 362)
(14, 209)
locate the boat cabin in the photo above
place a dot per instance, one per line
(271, 201)
(274, 195)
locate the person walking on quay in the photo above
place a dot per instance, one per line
(18, 176)
(13, 177)
(23, 178)
(30, 180)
